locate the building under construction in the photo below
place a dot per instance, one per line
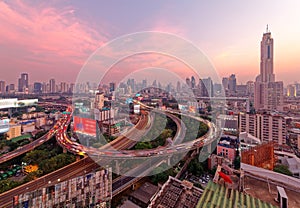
(260, 156)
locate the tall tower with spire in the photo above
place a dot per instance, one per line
(266, 58)
(268, 93)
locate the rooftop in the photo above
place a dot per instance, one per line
(176, 194)
(268, 192)
(145, 192)
(216, 195)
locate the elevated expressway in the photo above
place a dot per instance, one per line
(116, 150)
(121, 183)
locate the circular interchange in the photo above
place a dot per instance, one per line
(102, 65)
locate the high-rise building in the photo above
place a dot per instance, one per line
(23, 82)
(11, 88)
(225, 83)
(193, 82)
(291, 90)
(52, 86)
(99, 100)
(2, 87)
(112, 86)
(144, 83)
(37, 87)
(266, 127)
(268, 94)
(188, 82)
(232, 84)
(250, 88)
(178, 87)
(64, 87)
(207, 87)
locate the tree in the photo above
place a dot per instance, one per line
(36, 156)
(195, 167)
(143, 145)
(237, 162)
(283, 169)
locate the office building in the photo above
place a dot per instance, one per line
(206, 86)
(112, 87)
(52, 86)
(268, 94)
(232, 84)
(23, 83)
(2, 87)
(37, 87)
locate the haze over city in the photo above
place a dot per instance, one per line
(55, 38)
(149, 104)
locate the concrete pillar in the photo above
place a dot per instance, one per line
(169, 162)
(117, 167)
(209, 148)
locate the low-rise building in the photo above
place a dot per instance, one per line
(227, 147)
(14, 131)
(175, 193)
(143, 194)
(28, 127)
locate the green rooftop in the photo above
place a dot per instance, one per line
(216, 195)
(20, 138)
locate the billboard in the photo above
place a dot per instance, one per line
(85, 125)
(15, 103)
(136, 109)
(4, 125)
(8, 103)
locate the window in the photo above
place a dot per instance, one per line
(269, 51)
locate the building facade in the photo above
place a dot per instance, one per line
(265, 127)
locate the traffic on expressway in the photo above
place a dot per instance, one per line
(115, 149)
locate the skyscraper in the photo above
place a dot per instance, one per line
(266, 59)
(188, 82)
(112, 86)
(2, 87)
(52, 86)
(206, 87)
(193, 82)
(23, 82)
(37, 87)
(232, 84)
(268, 94)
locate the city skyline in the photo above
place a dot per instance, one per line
(57, 37)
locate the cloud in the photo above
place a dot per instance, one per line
(46, 34)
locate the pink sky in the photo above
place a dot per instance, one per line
(55, 38)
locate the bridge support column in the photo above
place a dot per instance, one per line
(169, 160)
(117, 167)
(209, 148)
(197, 150)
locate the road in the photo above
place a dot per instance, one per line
(31, 145)
(87, 164)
